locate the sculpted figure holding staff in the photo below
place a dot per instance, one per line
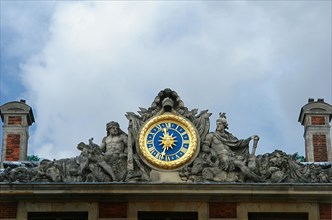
(227, 151)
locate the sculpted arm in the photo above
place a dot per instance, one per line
(124, 139)
(206, 147)
(103, 145)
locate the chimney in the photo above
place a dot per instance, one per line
(16, 117)
(316, 116)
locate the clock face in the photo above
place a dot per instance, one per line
(168, 142)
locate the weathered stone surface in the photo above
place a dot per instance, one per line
(222, 157)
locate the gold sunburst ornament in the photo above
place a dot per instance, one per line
(168, 142)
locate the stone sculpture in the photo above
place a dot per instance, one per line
(222, 153)
(222, 156)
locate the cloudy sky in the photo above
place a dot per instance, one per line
(81, 64)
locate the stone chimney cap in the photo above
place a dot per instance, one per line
(313, 100)
(315, 108)
(17, 107)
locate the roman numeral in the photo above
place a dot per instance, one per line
(159, 127)
(183, 150)
(159, 156)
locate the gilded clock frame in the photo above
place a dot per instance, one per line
(186, 159)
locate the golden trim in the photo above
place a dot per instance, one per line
(187, 158)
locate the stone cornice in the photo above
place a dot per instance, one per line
(138, 191)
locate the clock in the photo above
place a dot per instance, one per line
(168, 142)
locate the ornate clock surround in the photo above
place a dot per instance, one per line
(168, 142)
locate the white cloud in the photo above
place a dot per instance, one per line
(248, 59)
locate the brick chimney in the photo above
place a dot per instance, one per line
(16, 118)
(316, 116)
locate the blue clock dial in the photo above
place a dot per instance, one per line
(168, 142)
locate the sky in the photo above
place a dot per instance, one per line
(81, 64)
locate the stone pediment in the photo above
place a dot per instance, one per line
(167, 142)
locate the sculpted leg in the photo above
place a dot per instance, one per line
(108, 169)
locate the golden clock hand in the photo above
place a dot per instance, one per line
(165, 131)
(163, 153)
